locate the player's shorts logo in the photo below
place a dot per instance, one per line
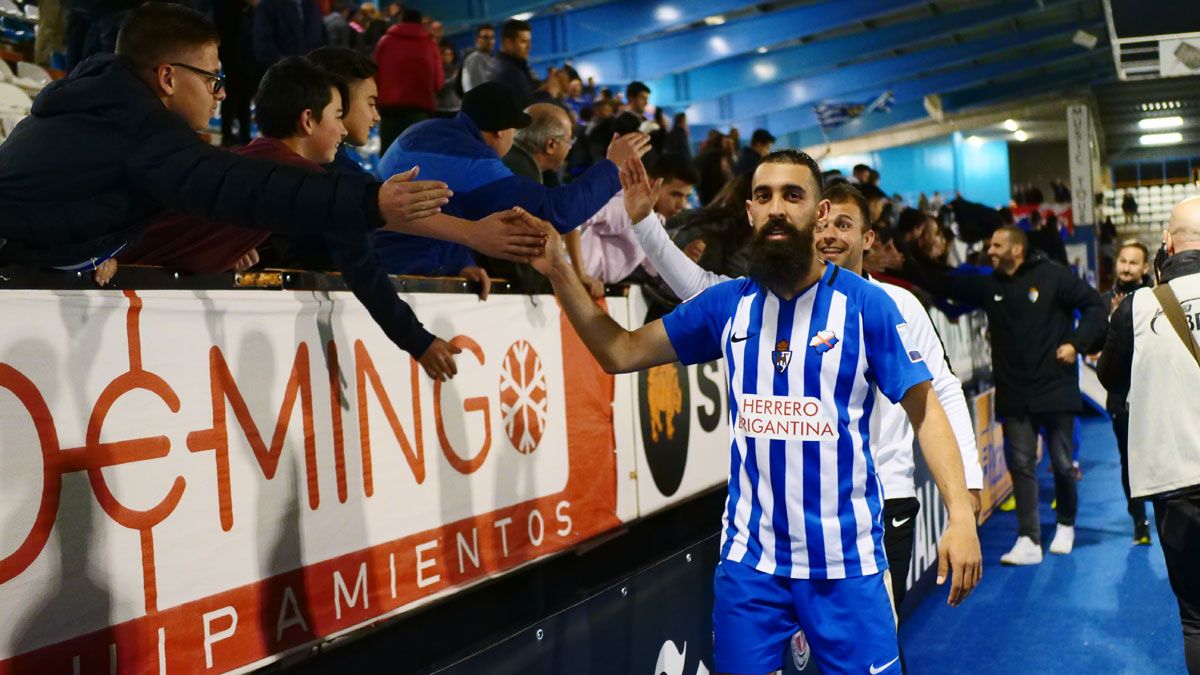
(523, 399)
(664, 406)
(782, 356)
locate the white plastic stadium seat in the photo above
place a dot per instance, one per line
(13, 100)
(7, 75)
(33, 72)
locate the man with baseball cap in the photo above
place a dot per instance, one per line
(465, 152)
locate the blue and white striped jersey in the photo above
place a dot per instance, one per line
(804, 498)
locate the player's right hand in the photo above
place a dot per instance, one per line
(513, 235)
(402, 199)
(554, 256)
(438, 360)
(959, 555)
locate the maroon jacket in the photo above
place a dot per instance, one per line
(410, 68)
(191, 244)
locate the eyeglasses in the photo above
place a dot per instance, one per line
(216, 79)
(569, 141)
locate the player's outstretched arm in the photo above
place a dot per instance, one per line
(958, 552)
(512, 235)
(618, 350)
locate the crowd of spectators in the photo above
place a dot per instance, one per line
(493, 147)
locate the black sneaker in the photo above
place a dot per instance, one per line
(1141, 533)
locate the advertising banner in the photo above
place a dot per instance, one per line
(195, 481)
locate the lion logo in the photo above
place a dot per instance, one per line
(664, 409)
(665, 400)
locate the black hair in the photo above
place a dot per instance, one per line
(290, 87)
(409, 15)
(792, 156)
(155, 33)
(627, 123)
(845, 193)
(636, 88)
(860, 167)
(910, 220)
(482, 27)
(680, 117)
(673, 167)
(345, 66)
(514, 27)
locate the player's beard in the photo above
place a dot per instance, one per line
(781, 264)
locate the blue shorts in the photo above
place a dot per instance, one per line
(848, 622)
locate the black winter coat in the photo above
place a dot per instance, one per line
(1030, 314)
(101, 157)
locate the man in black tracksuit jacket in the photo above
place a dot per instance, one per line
(1031, 305)
(1132, 264)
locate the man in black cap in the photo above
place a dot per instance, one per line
(760, 146)
(465, 152)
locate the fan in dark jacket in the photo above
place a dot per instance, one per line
(1132, 266)
(286, 28)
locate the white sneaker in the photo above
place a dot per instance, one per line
(1064, 540)
(1024, 552)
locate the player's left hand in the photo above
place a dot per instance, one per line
(959, 555)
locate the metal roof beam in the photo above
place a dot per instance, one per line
(883, 74)
(750, 70)
(682, 50)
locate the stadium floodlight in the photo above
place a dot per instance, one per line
(1162, 139)
(1160, 122)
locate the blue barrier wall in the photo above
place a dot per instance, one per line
(979, 170)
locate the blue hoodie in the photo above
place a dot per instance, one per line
(452, 150)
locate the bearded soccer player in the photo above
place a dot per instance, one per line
(806, 346)
(841, 239)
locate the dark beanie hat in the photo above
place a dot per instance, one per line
(494, 107)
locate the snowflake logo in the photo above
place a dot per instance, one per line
(524, 404)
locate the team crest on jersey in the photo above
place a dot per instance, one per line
(823, 341)
(1033, 293)
(782, 356)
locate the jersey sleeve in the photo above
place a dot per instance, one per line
(694, 327)
(894, 357)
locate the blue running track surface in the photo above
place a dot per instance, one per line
(1106, 608)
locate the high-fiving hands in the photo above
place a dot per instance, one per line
(630, 145)
(640, 193)
(554, 256)
(512, 235)
(403, 199)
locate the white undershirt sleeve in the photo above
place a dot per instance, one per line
(946, 385)
(686, 278)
